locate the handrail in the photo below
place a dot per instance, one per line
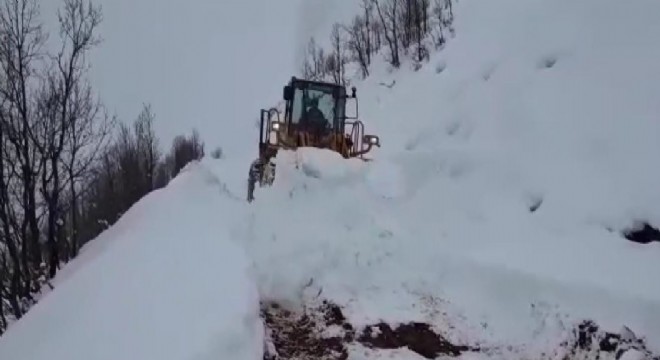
(357, 132)
(264, 133)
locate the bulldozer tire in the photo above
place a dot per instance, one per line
(254, 175)
(261, 171)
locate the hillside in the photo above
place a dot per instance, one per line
(491, 223)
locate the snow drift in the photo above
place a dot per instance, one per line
(167, 285)
(511, 164)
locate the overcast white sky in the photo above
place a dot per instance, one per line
(206, 64)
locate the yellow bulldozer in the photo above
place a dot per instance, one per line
(314, 116)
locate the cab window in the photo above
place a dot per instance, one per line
(302, 102)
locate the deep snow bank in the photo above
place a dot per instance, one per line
(325, 230)
(556, 101)
(166, 285)
(509, 167)
(528, 141)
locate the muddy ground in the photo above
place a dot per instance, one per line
(323, 333)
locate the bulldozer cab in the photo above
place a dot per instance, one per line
(315, 116)
(314, 106)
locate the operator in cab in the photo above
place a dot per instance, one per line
(313, 120)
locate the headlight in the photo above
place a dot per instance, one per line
(371, 140)
(276, 126)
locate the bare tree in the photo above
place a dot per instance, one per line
(66, 106)
(366, 29)
(443, 18)
(164, 172)
(147, 145)
(377, 31)
(358, 44)
(20, 51)
(10, 271)
(314, 66)
(88, 137)
(419, 28)
(88, 126)
(129, 169)
(363, 37)
(101, 203)
(406, 21)
(185, 150)
(336, 62)
(412, 26)
(387, 11)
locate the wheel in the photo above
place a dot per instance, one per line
(262, 171)
(254, 175)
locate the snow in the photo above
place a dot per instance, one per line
(633, 355)
(546, 104)
(166, 286)
(373, 259)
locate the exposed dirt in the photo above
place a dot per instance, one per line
(588, 341)
(302, 335)
(417, 337)
(643, 233)
(323, 333)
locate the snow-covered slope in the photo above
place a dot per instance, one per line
(509, 166)
(166, 285)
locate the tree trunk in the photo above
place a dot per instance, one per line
(75, 246)
(53, 223)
